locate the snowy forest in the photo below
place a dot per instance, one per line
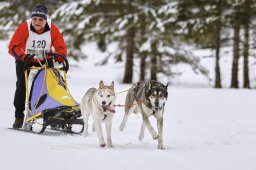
(203, 49)
(153, 33)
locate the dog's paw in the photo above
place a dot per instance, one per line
(161, 147)
(102, 145)
(121, 127)
(155, 136)
(110, 146)
(141, 137)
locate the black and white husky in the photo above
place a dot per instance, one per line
(147, 98)
(100, 103)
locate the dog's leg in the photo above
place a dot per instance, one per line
(108, 125)
(142, 130)
(160, 133)
(149, 126)
(128, 111)
(98, 128)
(93, 127)
(85, 118)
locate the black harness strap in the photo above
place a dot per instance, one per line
(105, 116)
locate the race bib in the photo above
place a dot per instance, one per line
(38, 44)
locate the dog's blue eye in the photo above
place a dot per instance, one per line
(108, 95)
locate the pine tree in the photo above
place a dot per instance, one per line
(14, 12)
(236, 40)
(128, 75)
(155, 24)
(246, 13)
(206, 24)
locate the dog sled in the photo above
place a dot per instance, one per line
(48, 101)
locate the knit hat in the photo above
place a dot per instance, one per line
(40, 11)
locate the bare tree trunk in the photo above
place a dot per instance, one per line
(129, 56)
(218, 45)
(143, 55)
(153, 60)
(142, 66)
(246, 83)
(217, 55)
(236, 40)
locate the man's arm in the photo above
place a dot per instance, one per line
(18, 42)
(58, 41)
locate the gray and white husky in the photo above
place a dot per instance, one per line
(100, 103)
(148, 98)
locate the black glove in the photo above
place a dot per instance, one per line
(25, 58)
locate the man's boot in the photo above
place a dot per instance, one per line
(18, 123)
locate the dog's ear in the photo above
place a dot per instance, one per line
(166, 87)
(112, 85)
(101, 85)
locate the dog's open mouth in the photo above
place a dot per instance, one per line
(107, 108)
(156, 108)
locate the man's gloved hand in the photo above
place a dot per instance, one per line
(59, 59)
(25, 58)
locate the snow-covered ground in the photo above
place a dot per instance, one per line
(204, 129)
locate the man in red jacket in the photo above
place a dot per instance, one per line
(37, 35)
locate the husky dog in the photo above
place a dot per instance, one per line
(148, 98)
(100, 103)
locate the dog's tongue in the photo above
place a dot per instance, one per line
(106, 107)
(156, 108)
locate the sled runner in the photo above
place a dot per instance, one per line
(49, 99)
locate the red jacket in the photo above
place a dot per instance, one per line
(17, 45)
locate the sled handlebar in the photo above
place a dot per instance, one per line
(54, 55)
